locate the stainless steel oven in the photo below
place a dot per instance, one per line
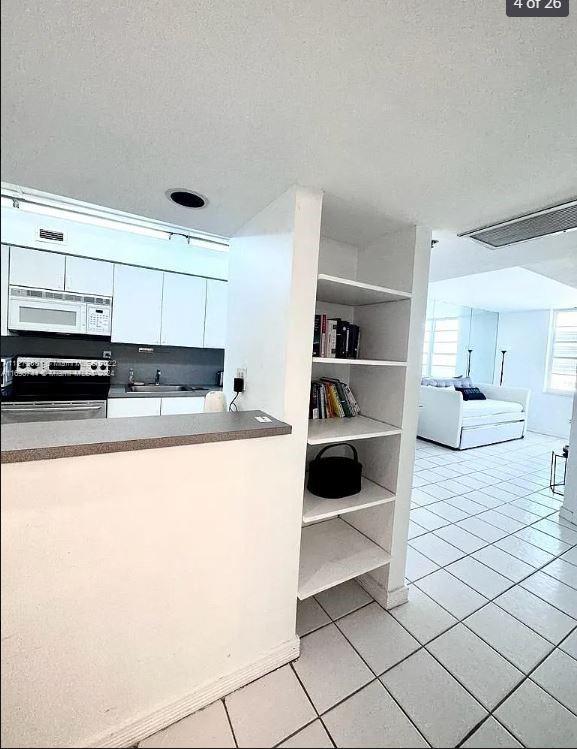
(57, 389)
(15, 413)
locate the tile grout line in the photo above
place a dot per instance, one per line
(527, 677)
(229, 720)
(319, 716)
(377, 677)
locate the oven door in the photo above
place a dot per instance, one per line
(51, 316)
(15, 412)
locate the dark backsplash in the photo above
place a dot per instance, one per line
(179, 366)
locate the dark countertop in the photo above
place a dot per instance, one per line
(63, 439)
(120, 391)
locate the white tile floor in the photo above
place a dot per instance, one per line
(484, 654)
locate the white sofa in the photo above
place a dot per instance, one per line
(446, 418)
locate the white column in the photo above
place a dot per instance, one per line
(569, 508)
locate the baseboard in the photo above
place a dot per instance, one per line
(389, 599)
(138, 729)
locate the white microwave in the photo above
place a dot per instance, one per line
(47, 311)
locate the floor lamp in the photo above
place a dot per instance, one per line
(503, 352)
(469, 352)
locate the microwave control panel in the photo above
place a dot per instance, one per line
(98, 319)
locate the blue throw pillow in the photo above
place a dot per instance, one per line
(472, 394)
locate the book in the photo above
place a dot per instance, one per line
(353, 342)
(317, 336)
(335, 338)
(331, 398)
(332, 345)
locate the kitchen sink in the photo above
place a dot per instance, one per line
(164, 388)
(156, 388)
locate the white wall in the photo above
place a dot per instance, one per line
(525, 336)
(130, 601)
(19, 227)
(271, 300)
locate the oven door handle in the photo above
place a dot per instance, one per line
(51, 408)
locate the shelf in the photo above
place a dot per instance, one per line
(332, 553)
(322, 431)
(318, 508)
(355, 293)
(367, 362)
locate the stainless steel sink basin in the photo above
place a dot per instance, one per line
(156, 388)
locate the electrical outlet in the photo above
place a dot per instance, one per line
(241, 372)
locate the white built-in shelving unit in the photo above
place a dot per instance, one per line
(354, 293)
(325, 431)
(333, 552)
(358, 536)
(318, 508)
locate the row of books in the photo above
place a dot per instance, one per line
(335, 338)
(330, 398)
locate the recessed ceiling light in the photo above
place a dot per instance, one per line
(186, 198)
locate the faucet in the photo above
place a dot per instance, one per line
(157, 377)
(131, 376)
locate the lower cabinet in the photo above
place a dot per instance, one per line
(118, 407)
(182, 406)
(133, 407)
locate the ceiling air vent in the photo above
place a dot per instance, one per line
(553, 220)
(48, 235)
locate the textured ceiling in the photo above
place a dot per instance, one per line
(441, 112)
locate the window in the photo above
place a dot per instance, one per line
(562, 368)
(440, 347)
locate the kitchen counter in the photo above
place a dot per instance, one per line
(62, 439)
(120, 391)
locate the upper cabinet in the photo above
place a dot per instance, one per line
(53, 270)
(150, 307)
(137, 305)
(42, 270)
(183, 303)
(216, 311)
(86, 276)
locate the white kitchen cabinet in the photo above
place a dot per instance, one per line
(137, 306)
(42, 270)
(190, 405)
(4, 254)
(216, 310)
(183, 303)
(118, 407)
(87, 276)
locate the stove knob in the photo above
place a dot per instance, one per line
(103, 366)
(93, 366)
(34, 365)
(22, 365)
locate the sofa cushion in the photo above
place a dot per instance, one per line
(490, 411)
(490, 406)
(447, 382)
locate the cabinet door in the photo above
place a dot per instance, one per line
(137, 305)
(118, 407)
(190, 405)
(216, 308)
(43, 270)
(183, 303)
(85, 276)
(4, 252)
